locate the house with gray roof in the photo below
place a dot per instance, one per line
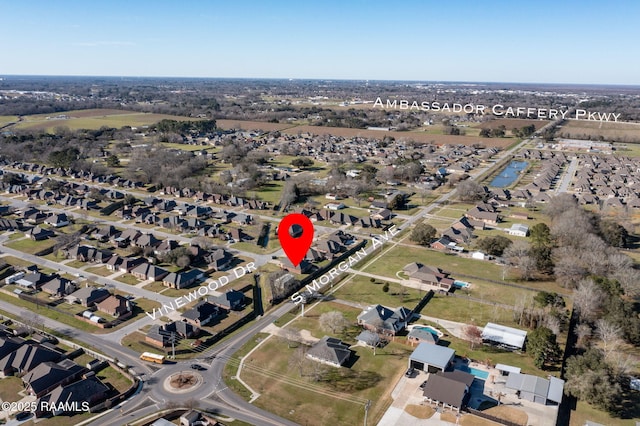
(449, 389)
(536, 389)
(48, 375)
(383, 320)
(330, 351)
(431, 358)
(90, 389)
(25, 358)
(88, 296)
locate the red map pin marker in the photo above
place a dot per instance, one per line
(295, 247)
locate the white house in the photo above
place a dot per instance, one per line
(519, 230)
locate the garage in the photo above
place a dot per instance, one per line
(431, 358)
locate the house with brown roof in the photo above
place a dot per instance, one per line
(116, 306)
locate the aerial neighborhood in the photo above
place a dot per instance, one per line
(463, 269)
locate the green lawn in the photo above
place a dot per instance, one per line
(99, 270)
(9, 388)
(467, 311)
(128, 279)
(360, 289)
(29, 246)
(117, 379)
(284, 392)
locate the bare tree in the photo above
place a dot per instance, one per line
(518, 253)
(587, 299)
(333, 321)
(473, 334)
(469, 190)
(292, 335)
(298, 359)
(552, 322)
(583, 332)
(610, 336)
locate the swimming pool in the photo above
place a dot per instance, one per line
(480, 374)
(431, 330)
(461, 284)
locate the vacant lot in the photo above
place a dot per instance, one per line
(93, 119)
(335, 400)
(416, 136)
(593, 130)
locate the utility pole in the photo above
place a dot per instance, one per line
(173, 344)
(366, 411)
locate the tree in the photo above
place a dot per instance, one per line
(494, 246)
(469, 190)
(485, 133)
(610, 336)
(518, 254)
(113, 161)
(290, 194)
(591, 379)
(422, 234)
(583, 332)
(298, 359)
(543, 347)
(587, 299)
(613, 233)
(473, 334)
(183, 261)
(333, 321)
(398, 202)
(385, 288)
(540, 235)
(302, 162)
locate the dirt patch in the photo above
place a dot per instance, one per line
(183, 381)
(511, 123)
(251, 125)
(509, 413)
(420, 411)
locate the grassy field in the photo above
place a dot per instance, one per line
(362, 290)
(30, 246)
(584, 412)
(286, 393)
(9, 388)
(117, 380)
(610, 131)
(93, 119)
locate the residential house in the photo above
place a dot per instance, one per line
(89, 389)
(147, 271)
(26, 358)
(219, 259)
(330, 351)
(59, 287)
(304, 267)
(383, 320)
(34, 280)
(182, 279)
(451, 389)
(48, 375)
(160, 335)
(203, 313)
(116, 305)
(57, 220)
(39, 234)
(232, 300)
(88, 296)
(429, 275)
(488, 217)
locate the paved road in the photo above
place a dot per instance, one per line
(567, 176)
(224, 400)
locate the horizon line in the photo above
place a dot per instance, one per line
(319, 79)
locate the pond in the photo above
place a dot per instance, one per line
(509, 174)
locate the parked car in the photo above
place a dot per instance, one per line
(423, 384)
(410, 372)
(23, 416)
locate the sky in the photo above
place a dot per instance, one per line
(581, 42)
